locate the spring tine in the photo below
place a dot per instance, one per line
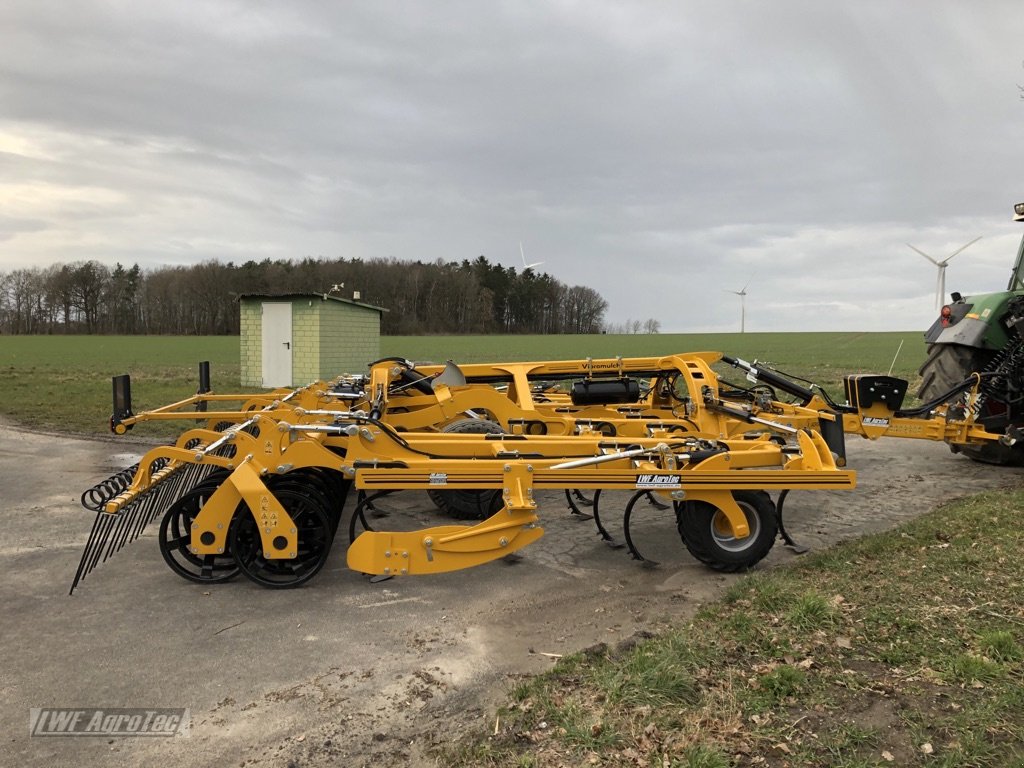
(95, 542)
(136, 521)
(101, 538)
(121, 522)
(148, 507)
(80, 573)
(140, 519)
(112, 532)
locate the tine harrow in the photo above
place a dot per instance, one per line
(112, 531)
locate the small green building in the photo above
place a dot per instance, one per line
(293, 339)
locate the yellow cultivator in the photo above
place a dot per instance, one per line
(260, 488)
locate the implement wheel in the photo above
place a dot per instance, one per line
(469, 505)
(176, 538)
(706, 532)
(315, 535)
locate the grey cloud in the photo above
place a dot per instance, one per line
(655, 151)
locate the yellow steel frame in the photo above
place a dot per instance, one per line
(517, 410)
(376, 457)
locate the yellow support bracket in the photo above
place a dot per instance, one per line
(277, 529)
(454, 547)
(727, 504)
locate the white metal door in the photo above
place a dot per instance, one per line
(277, 344)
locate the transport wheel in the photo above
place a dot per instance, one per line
(706, 532)
(176, 537)
(314, 542)
(473, 504)
(946, 366)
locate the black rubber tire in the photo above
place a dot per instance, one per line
(706, 533)
(946, 366)
(469, 505)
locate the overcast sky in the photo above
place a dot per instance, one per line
(659, 152)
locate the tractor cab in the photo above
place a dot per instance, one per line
(984, 321)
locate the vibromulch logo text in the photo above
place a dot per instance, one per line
(155, 722)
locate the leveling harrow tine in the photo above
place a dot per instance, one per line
(112, 531)
(95, 539)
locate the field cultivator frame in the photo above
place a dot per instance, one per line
(260, 489)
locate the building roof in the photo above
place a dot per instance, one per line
(309, 296)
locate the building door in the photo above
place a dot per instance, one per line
(277, 344)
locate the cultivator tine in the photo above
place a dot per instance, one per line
(112, 531)
(573, 495)
(797, 548)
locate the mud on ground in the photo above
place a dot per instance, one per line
(342, 671)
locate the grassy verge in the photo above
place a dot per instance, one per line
(905, 648)
(62, 383)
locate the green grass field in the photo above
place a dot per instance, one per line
(63, 382)
(905, 648)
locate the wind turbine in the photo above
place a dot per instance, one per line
(742, 293)
(526, 266)
(940, 285)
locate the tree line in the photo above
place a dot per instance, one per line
(201, 299)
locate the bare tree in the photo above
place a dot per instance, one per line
(439, 297)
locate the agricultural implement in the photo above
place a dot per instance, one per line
(260, 488)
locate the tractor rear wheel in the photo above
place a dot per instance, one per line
(946, 366)
(706, 532)
(469, 504)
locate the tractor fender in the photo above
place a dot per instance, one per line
(969, 332)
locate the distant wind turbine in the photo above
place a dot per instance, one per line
(526, 266)
(940, 284)
(742, 293)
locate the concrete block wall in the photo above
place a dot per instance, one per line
(349, 339)
(306, 314)
(251, 341)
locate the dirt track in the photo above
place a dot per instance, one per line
(343, 671)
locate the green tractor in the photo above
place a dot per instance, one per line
(984, 334)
